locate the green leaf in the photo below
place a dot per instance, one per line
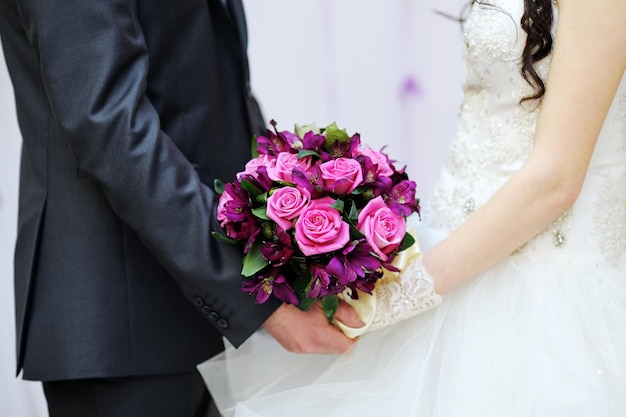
(261, 198)
(254, 261)
(218, 186)
(254, 147)
(407, 242)
(306, 153)
(338, 204)
(353, 213)
(360, 190)
(301, 287)
(355, 234)
(302, 130)
(224, 238)
(334, 134)
(260, 212)
(251, 188)
(329, 306)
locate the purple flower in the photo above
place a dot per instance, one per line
(280, 251)
(365, 284)
(401, 199)
(322, 283)
(346, 149)
(355, 261)
(311, 180)
(313, 141)
(247, 229)
(274, 143)
(273, 282)
(375, 183)
(259, 179)
(235, 208)
(234, 213)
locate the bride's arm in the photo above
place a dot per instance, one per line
(588, 61)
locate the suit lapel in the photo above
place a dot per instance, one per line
(237, 16)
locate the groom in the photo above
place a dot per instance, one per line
(128, 111)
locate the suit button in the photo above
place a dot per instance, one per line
(213, 316)
(222, 323)
(206, 310)
(198, 301)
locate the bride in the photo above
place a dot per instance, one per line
(525, 241)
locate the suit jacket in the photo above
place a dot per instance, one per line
(129, 109)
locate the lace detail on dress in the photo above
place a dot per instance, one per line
(609, 219)
(412, 293)
(478, 169)
(553, 236)
(622, 118)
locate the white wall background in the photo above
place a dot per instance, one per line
(388, 70)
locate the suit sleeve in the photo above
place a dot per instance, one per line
(94, 66)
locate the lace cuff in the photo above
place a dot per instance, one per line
(408, 295)
(397, 296)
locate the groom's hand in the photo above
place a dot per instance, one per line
(309, 331)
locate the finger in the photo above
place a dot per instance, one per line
(340, 344)
(348, 316)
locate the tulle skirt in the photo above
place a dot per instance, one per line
(530, 337)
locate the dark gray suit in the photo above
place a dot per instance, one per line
(128, 111)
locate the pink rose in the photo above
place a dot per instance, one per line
(344, 174)
(285, 164)
(379, 159)
(253, 165)
(383, 229)
(319, 229)
(285, 204)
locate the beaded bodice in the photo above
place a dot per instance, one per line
(495, 137)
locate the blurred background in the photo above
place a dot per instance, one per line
(390, 71)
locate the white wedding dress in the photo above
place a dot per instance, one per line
(542, 334)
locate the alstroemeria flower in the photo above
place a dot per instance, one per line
(221, 208)
(313, 141)
(322, 283)
(280, 251)
(234, 206)
(311, 181)
(266, 284)
(347, 149)
(374, 184)
(355, 261)
(401, 199)
(365, 284)
(273, 143)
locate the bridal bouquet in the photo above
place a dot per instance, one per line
(317, 215)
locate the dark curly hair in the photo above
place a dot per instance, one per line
(537, 23)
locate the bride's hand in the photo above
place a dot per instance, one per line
(397, 297)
